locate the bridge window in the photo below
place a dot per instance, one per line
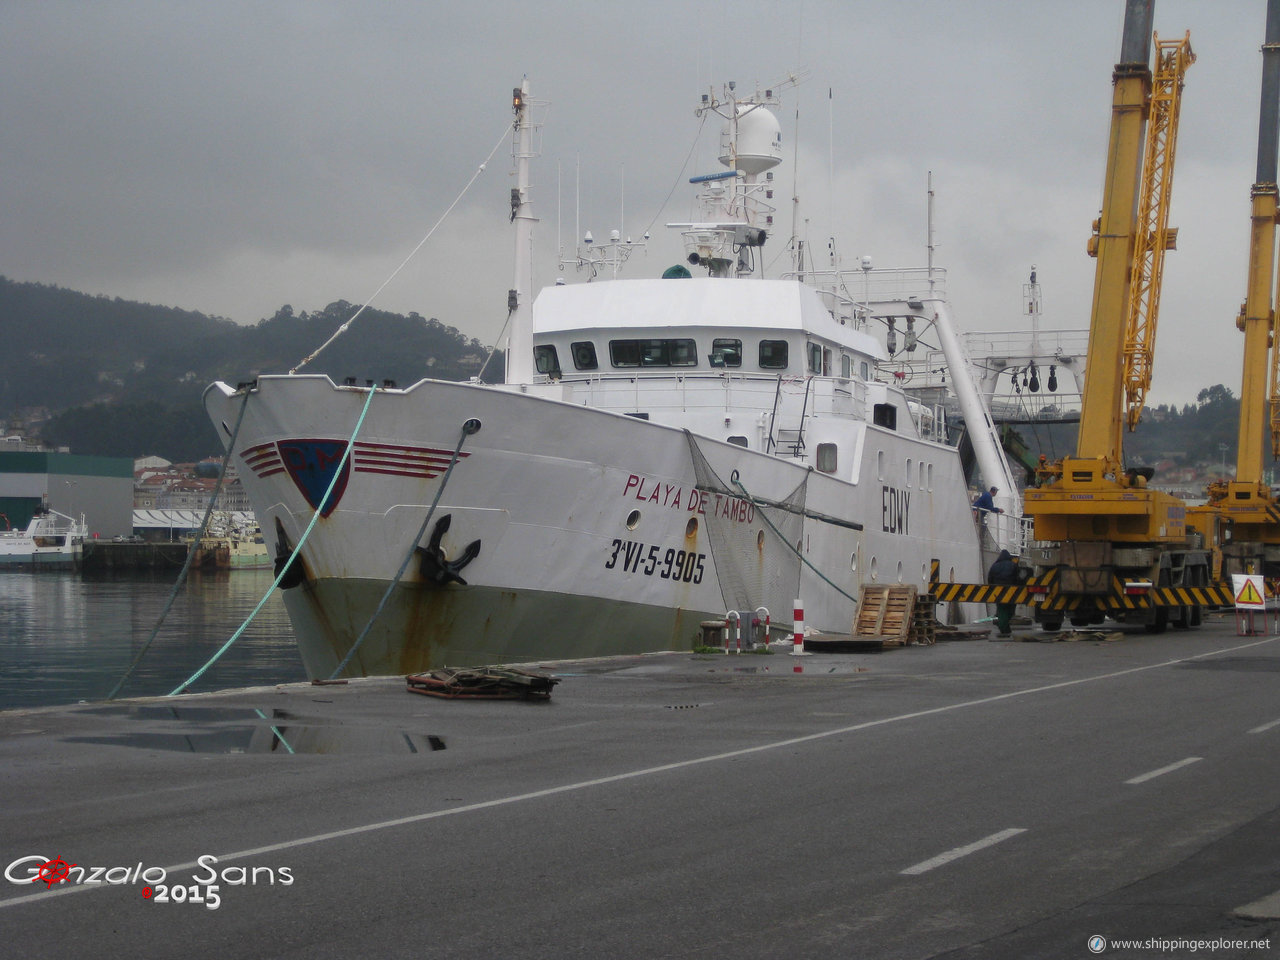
(682, 353)
(653, 353)
(885, 415)
(738, 441)
(815, 358)
(846, 366)
(584, 355)
(544, 357)
(726, 353)
(773, 354)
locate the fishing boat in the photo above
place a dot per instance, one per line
(51, 541)
(707, 445)
(228, 546)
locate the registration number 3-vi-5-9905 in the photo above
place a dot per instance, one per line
(635, 557)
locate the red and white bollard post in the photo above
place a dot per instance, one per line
(797, 648)
(736, 618)
(756, 623)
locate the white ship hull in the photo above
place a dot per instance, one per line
(51, 541)
(596, 533)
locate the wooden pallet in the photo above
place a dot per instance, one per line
(885, 614)
(923, 622)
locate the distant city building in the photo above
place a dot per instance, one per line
(170, 499)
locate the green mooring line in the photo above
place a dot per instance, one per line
(315, 516)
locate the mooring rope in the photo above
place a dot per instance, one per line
(276, 730)
(182, 574)
(412, 253)
(315, 516)
(470, 427)
(790, 546)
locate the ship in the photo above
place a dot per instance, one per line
(50, 541)
(708, 445)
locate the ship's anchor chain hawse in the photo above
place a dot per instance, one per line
(296, 573)
(434, 566)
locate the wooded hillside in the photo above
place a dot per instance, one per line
(121, 378)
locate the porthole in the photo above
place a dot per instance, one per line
(924, 573)
(853, 562)
(633, 519)
(691, 528)
(875, 572)
(899, 571)
(760, 540)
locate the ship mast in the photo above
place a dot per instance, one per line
(520, 297)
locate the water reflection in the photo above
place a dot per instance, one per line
(64, 638)
(188, 728)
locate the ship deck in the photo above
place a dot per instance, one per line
(972, 798)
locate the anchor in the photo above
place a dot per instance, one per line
(434, 566)
(284, 553)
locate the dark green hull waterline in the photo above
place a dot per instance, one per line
(424, 627)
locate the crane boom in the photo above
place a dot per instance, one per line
(1099, 436)
(1154, 235)
(1256, 314)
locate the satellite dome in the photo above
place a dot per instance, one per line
(759, 140)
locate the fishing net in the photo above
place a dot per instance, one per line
(752, 541)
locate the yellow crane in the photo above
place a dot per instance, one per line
(1244, 508)
(1120, 547)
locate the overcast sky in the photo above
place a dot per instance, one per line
(232, 157)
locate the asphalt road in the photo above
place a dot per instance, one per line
(971, 799)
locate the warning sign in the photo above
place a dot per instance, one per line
(1248, 591)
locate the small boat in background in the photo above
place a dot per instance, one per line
(51, 541)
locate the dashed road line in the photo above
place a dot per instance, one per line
(1151, 775)
(944, 858)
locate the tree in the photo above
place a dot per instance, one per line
(1217, 394)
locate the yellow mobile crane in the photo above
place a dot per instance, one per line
(1245, 507)
(1121, 548)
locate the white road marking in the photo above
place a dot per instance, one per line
(64, 889)
(1143, 778)
(958, 852)
(1265, 727)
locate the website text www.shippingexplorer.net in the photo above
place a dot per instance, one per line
(1101, 944)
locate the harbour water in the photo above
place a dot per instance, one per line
(64, 638)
